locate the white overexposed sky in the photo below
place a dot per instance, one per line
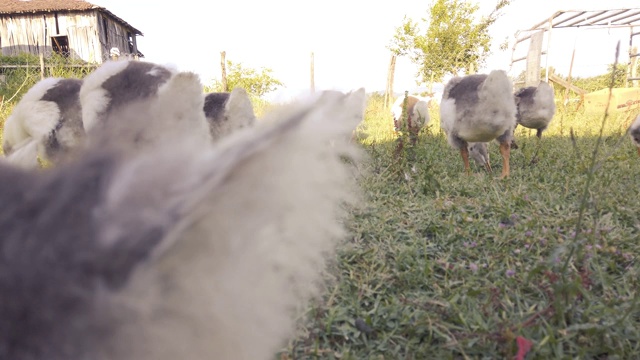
(348, 38)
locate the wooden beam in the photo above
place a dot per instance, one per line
(558, 80)
(223, 66)
(388, 93)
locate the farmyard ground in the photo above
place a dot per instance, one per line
(440, 265)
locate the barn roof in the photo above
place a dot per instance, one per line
(9, 7)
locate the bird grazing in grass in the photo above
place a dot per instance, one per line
(410, 113)
(417, 110)
(174, 250)
(479, 108)
(535, 107)
(480, 154)
(634, 132)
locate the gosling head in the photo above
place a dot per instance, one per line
(480, 154)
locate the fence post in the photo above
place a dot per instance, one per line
(633, 67)
(313, 83)
(223, 66)
(41, 65)
(566, 90)
(388, 93)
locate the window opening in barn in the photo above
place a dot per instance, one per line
(106, 31)
(130, 41)
(60, 45)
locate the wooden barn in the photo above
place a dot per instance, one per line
(71, 28)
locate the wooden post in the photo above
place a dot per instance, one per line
(534, 54)
(566, 90)
(385, 100)
(546, 55)
(392, 74)
(631, 52)
(431, 85)
(634, 65)
(41, 65)
(388, 92)
(313, 84)
(223, 66)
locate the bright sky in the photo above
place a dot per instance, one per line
(348, 37)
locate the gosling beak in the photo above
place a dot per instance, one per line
(487, 166)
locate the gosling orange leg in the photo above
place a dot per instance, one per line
(505, 149)
(464, 151)
(638, 150)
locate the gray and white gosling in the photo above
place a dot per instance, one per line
(174, 252)
(479, 108)
(536, 107)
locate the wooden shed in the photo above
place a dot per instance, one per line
(71, 28)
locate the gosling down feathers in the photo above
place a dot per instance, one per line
(174, 250)
(536, 107)
(479, 108)
(47, 122)
(417, 110)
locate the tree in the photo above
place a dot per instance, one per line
(603, 81)
(255, 82)
(452, 42)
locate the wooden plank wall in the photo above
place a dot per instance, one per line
(89, 40)
(81, 30)
(19, 34)
(116, 35)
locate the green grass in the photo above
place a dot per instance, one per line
(440, 265)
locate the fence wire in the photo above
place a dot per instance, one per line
(18, 73)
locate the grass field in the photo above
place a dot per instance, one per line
(440, 265)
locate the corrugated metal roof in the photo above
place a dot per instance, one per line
(8, 7)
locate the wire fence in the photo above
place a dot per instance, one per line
(569, 57)
(19, 72)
